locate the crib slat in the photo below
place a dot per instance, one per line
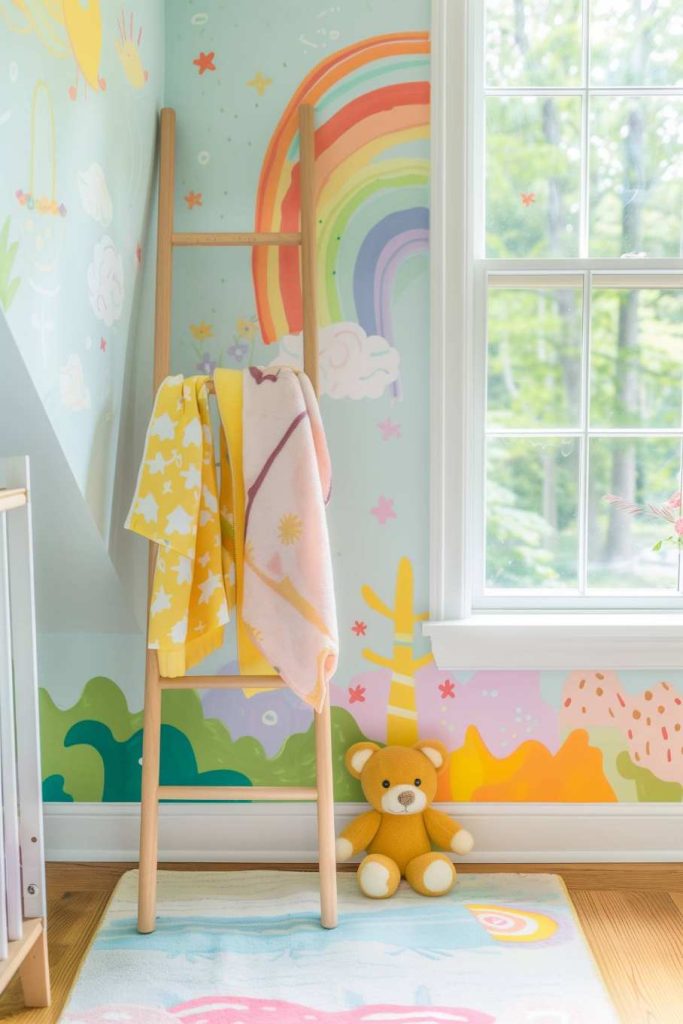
(8, 753)
(23, 626)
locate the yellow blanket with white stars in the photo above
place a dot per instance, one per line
(176, 505)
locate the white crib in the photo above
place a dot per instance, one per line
(23, 945)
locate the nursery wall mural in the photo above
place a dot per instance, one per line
(235, 74)
(81, 85)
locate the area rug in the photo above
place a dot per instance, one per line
(247, 948)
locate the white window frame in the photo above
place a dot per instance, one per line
(469, 631)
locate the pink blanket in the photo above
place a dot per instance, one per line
(288, 601)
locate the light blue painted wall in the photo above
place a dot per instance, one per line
(90, 148)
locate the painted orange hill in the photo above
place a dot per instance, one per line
(531, 772)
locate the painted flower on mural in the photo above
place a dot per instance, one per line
(238, 351)
(193, 199)
(527, 198)
(95, 197)
(352, 363)
(247, 328)
(359, 628)
(384, 510)
(105, 282)
(356, 694)
(447, 689)
(389, 429)
(206, 365)
(73, 391)
(201, 331)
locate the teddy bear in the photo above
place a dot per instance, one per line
(398, 833)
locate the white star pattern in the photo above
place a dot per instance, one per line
(161, 601)
(204, 559)
(211, 584)
(157, 464)
(179, 521)
(209, 499)
(192, 477)
(148, 509)
(183, 570)
(167, 488)
(222, 614)
(163, 427)
(192, 434)
(178, 633)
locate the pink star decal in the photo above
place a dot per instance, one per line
(389, 429)
(359, 628)
(383, 510)
(447, 689)
(103, 344)
(356, 694)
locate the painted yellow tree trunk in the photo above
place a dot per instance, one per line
(402, 727)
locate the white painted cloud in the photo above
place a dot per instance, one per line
(352, 363)
(73, 391)
(95, 197)
(105, 281)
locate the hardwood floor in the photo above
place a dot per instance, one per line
(632, 915)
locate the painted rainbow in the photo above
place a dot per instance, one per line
(371, 141)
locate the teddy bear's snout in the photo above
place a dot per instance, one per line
(406, 798)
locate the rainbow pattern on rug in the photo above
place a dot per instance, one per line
(372, 167)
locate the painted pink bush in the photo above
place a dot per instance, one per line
(650, 722)
(238, 1010)
(506, 707)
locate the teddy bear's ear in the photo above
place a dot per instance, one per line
(358, 756)
(435, 750)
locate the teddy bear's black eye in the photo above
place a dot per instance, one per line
(418, 782)
(386, 783)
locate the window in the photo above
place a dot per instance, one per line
(558, 407)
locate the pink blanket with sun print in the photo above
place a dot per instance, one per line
(288, 599)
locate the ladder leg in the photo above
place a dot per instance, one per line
(149, 805)
(326, 848)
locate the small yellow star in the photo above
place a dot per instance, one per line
(260, 82)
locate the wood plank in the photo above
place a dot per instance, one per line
(19, 950)
(637, 941)
(215, 238)
(638, 933)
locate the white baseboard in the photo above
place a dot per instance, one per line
(515, 833)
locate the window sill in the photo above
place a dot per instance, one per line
(561, 640)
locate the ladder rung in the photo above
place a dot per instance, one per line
(184, 238)
(237, 793)
(221, 682)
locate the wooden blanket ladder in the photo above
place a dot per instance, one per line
(155, 684)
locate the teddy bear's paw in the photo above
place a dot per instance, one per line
(378, 877)
(431, 874)
(344, 849)
(439, 877)
(462, 842)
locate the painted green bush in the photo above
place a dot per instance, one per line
(94, 748)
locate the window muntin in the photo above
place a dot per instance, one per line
(582, 368)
